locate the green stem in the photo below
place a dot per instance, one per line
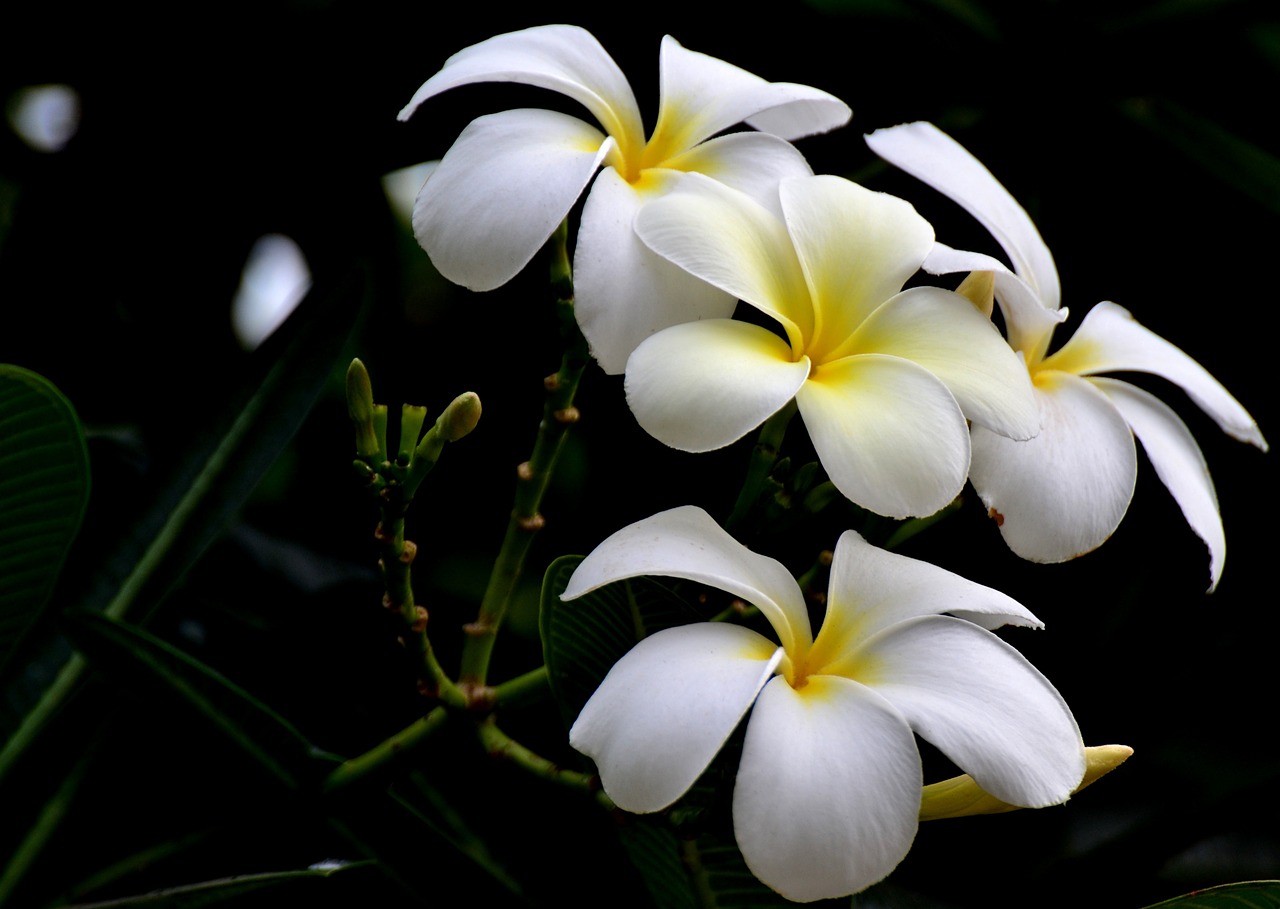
(38, 836)
(525, 689)
(763, 457)
(500, 745)
(395, 749)
(532, 478)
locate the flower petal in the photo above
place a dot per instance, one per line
(563, 58)
(624, 292)
(1028, 323)
(497, 195)
(666, 708)
(888, 433)
(702, 95)
(871, 589)
(1178, 462)
(828, 789)
(702, 385)
(686, 543)
(727, 239)
(1061, 494)
(752, 163)
(1110, 339)
(982, 704)
(857, 249)
(930, 155)
(944, 333)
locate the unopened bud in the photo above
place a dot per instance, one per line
(361, 409)
(960, 796)
(461, 416)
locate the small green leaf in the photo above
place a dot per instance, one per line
(1244, 895)
(289, 887)
(140, 659)
(44, 487)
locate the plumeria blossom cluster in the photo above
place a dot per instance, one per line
(906, 394)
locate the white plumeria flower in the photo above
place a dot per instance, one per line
(884, 378)
(829, 785)
(1063, 493)
(511, 177)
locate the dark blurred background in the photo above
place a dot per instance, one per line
(1140, 136)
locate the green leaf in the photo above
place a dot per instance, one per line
(44, 487)
(144, 661)
(1244, 895)
(220, 470)
(288, 887)
(1227, 156)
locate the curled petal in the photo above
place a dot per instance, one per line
(1110, 339)
(930, 155)
(1061, 494)
(686, 543)
(888, 432)
(981, 703)
(624, 292)
(729, 240)
(501, 190)
(945, 334)
(686, 687)
(702, 95)
(563, 58)
(857, 248)
(702, 385)
(1028, 322)
(872, 589)
(828, 789)
(1178, 462)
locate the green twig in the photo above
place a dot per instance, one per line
(500, 745)
(532, 478)
(395, 749)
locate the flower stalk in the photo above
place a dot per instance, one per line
(532, 476)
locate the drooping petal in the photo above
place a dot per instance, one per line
(981, 703)
(563, 58)
(871, 589)
(624, 292)
(930, 155)
(857, 249)
(702, 95)
(500, 192)
(1178, 462)
(686, 688)
(1110, 339)
(686, 543)
(752, 163)
(888, 433)
(828, 789)
(944, 333)
(1061, 494)
(727, 239)
(703, 385)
